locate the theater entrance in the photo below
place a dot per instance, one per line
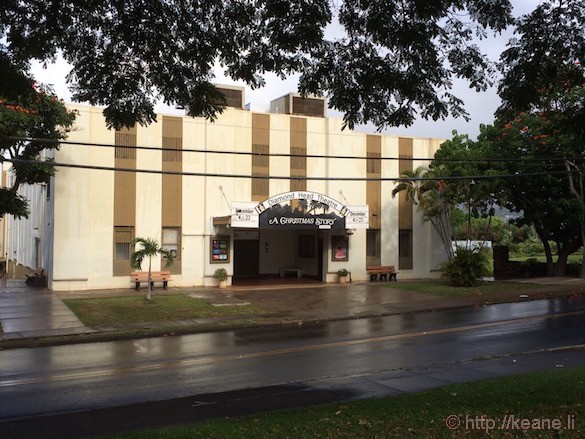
(286, 237)
(277, 257)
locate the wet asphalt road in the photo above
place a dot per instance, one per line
(318, 363)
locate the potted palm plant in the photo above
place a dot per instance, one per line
(342, 274)
(221, 275)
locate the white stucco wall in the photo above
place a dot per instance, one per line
(83, 224)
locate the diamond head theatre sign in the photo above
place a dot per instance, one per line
(299, 210)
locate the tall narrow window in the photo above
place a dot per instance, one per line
(171, 241)
(373, 247)
(405, 249)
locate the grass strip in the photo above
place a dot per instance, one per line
(135, 309)
(538, 397)
(439, 288)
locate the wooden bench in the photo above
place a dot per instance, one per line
(155, 276)
(297, 271)
(381, 272)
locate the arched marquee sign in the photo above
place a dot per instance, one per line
(299, 210)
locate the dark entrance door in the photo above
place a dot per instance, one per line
(246, 258)
(320, 260)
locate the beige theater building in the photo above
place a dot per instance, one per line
(264, 195)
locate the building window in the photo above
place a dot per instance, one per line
(48, 188)
(405, 249)
(298, 185)
(172, 149)
(260, 157)
(123, 140)
(374, 163)
(373, 243)
(123, 237)
(171, 241)
(298, 158)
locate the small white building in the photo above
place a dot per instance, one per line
(260, 194)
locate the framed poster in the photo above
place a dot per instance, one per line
(220, 250)
(339, 248)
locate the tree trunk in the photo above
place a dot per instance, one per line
(149, 289)
(561, 265)
(583, 258)
(550, 266)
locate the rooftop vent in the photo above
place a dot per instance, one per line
(234, 95)
(294, 103)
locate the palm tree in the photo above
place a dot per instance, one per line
(149, 249)
(303, 205)
(431, 200)
(315, 205)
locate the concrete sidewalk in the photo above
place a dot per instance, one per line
(31, 312)
(35, 312)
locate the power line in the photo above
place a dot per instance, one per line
(283, 177)
(316, 156)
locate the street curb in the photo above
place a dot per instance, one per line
(168, 329)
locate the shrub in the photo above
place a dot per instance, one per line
(466, 269)
(574, 269)
(220, 274)
(529, 267)
(342, 272)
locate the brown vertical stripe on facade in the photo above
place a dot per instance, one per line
(124, 190)
(405, 208)
(172, 185)
(260, 159)
(374, 188)
(125, 182)
(298, 147)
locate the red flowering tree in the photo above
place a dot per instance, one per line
(535, 145)
(541, 123)
(31, 119)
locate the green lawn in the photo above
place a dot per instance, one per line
(557, 394)
(135, 309)
(439, 288)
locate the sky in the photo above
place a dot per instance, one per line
(480, 106)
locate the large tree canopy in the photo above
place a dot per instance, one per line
(394, 61)
(545, 59)
(542, 116)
